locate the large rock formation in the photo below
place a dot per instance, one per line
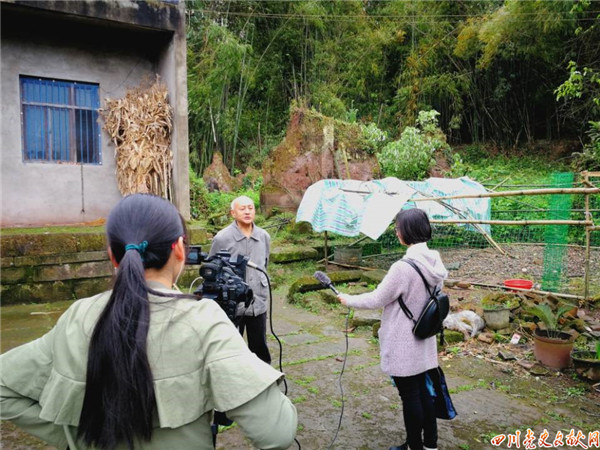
(315, 147)
(217, 176)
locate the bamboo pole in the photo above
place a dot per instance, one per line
(325, 250)
(594, 228)
(533, 291)
(514, 193)
(350, 266)
(514, 222)
(459, 213)
(588, 216)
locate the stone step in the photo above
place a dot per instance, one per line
(310, 283)
(289, 254)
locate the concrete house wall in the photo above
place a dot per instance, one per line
(115, 44)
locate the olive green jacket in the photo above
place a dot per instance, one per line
(199, 363)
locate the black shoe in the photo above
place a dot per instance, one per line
(401, 447)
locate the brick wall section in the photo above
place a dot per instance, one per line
(40, 268)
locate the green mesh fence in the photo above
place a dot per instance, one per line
(552, 256)
(556, 236)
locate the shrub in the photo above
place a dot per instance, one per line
(373, 138)
(411, 156)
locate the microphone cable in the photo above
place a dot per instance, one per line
(340, 382)
(325, 281)
(275, 336)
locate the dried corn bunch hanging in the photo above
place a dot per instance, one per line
(139, 125)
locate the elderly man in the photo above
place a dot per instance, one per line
(244, 237)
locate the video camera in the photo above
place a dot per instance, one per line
(223, 279)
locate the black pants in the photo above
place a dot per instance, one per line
(418, 411)
(256, 330)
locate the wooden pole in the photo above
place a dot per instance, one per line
(326, 257)
(588, 216)
(534, 291)
(514, 222)
(514, 193)
(463, 215)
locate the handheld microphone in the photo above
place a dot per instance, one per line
(325, 281)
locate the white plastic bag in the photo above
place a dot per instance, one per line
(467, 322)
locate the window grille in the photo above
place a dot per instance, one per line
(59, 121)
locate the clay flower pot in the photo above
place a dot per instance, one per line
(587, 365)
(496, 318)
(553, 349)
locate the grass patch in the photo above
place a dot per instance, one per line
(58, 229)
(481, 384)
(299, 399)
(335, 402)
(319, 358)
(304, 381)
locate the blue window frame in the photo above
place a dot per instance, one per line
(59, 121)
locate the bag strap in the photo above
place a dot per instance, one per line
(431, 295)
(406, 310)
(414, 266)
(402, 304)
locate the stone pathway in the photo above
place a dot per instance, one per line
(491, 397)
(489, 401)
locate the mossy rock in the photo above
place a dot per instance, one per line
(373, 276)
(291, 254)
(309, 283)
(329, 297)
(90, 287)
(453, 337)
(37, 293)
(362, 318)
(575, 324)
(371, 248)
(15, 275)
(91, 242)
(38, 244)
(497, 300)
(189, 274)
(300, 227)
(197, 235)
(305, 299)
(376, 327)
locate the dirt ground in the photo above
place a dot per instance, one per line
(522, 261)
(493, 396)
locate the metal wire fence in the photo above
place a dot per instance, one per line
(554, 256)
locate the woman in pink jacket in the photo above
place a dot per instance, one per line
(405, 357)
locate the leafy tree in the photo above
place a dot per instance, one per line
(411, 156)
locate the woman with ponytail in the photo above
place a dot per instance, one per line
(143, 366)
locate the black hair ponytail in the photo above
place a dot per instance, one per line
(119, 400)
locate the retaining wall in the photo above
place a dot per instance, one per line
(39, 268)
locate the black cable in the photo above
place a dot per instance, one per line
(340, 382)
(275, 336)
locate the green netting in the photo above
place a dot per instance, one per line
(557, 253)
(556, 236)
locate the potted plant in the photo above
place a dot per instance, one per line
(587, 363)
(496, 310)
(552, 347)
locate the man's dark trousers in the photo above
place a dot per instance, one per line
(256, 329)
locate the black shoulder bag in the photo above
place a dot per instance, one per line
(429, 322)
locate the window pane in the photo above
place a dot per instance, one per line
(34, 142)
(86, 144)
(60, 120)
(60, 134)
